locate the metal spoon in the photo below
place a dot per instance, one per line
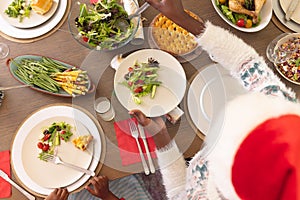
(139, 10)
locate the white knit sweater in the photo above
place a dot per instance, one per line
(205, 178)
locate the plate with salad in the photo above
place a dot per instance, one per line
(244, 22)
(50, 76)
(103, 25)
(42, 177)
(19, 13)
(150, 80)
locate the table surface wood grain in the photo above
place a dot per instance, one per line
(20, 103)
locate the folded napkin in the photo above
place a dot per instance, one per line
(5, 187)
(129, 151)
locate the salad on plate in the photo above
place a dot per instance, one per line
(142, 79)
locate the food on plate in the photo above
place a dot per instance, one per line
(142, 79)
(172, 38)
(52, 136)
(41, 6)
(52, 76)
(243, 13)
(288, 57)
(103, 24)
(18, 9)
(82, 142)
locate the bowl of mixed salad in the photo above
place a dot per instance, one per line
(284, 52)
(103, 24)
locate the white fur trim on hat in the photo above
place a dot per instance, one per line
(242, 115)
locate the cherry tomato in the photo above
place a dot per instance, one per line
(46, 137)
(85, 39)
(130, 83)
(248, 23)
(240, 23)
(138, 89)
(46, 147)
(63, 132)
(130, 69)
(40, 145)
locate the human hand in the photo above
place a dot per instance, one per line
(173, 9)
(100, 188)
(155, 126)
(58, 194)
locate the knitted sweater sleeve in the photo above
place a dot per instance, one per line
(173, 169)
(242, 61)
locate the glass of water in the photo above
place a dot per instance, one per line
(4, 50)
(104, 108)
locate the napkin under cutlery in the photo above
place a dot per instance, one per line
(127, 145)
(5, 187)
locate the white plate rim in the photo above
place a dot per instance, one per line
(296, 19)
(266, 15)
(279, 13)
(15, 32)
(141, 55)
(200, 113)
(62, 110)
(34, 20)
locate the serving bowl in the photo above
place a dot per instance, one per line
(265, 15)
(103, 25)
(284, 53)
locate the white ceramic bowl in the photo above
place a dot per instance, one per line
(265, 14)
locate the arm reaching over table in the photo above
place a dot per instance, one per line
(227, 170)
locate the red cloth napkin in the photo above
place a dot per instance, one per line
(5, 187)
(129, 151)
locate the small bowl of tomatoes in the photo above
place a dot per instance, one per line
(244, 22)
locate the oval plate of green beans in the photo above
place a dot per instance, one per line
(50, 76)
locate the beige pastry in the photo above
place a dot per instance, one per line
(172, 38)
(41, 6)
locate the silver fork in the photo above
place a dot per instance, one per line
(135, 134)
(56, 160)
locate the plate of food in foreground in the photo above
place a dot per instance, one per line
(284, 52)
(150, 80)
(246, 16)
(56, 130)
(24, 14)
(168, 36)
(50, 76)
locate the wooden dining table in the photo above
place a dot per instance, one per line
(20, 103)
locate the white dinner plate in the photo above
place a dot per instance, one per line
(209, 91)
(296, 15)
(266, 15)
(279, 13)
(168, 95)
(37, 31)
(41, 177)
(34, 19)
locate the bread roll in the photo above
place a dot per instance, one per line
(41, 6)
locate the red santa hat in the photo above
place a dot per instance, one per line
(258, 156)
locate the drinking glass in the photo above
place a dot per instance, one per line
(4, 50)
(104, 108)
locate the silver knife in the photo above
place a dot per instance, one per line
(291, 9)
(5, 177)
(143, 136)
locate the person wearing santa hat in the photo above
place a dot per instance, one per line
(251, 151)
